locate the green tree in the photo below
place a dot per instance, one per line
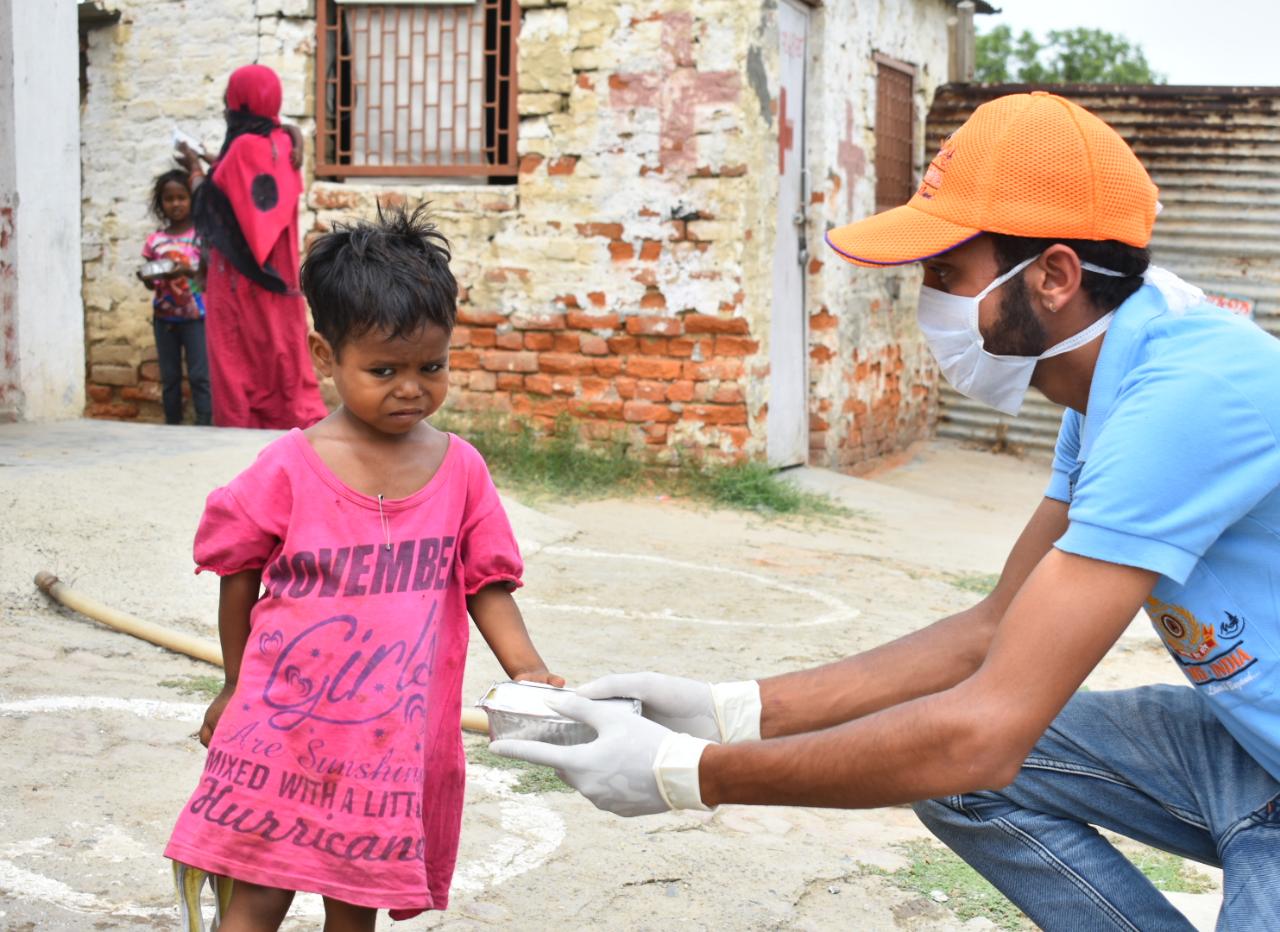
(1068, 56)
(994, 55)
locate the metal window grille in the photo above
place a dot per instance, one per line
(416, 88)
(895, 128)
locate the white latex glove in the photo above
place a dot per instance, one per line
(722, 712)
(634, 767)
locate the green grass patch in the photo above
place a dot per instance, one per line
(756, 487)
(556, 463)
(532, 778)
(1168, 872)
(934, 868)
(206, 687)
(981, 583)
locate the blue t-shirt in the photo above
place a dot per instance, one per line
(1176, 469)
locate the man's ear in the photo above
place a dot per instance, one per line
(322, 354)
(1059, 279)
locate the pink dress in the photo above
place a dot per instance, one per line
(259, 365)
(337, 766)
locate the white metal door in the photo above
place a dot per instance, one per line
(788, 419)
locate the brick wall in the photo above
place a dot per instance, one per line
(873, 382)
(624, 279)
(610, 283)
(576, 317)
(164, 63)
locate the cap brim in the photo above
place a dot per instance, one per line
(897, 237)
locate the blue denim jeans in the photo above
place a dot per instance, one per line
(1150, 763)
(173, 339)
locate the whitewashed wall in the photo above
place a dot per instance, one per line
(42, 341)
(10, 387)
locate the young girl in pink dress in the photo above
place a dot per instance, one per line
(351, 554)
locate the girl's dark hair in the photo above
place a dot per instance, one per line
(1105, 291)
(390, 275)
(157, 190)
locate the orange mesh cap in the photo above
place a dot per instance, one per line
(1032, 165)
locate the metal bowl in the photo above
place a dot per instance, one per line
(158, 268)
(519, 710)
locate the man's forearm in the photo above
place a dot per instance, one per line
(971, 736)
(919, 664)
(924, 748)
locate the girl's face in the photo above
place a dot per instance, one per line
(175, 200)
(389, 384)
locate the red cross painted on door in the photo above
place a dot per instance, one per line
(786, 132)
(787, 420)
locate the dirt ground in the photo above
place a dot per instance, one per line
(99, 752)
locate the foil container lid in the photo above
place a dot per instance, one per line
(529, 699)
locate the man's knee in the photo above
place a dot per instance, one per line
(964, 811)
(943, 811)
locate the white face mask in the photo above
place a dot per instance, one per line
(950, 326)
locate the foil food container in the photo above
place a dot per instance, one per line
(157, 268)
(519, 710)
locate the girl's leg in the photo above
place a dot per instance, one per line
(169, 353)
(344, 917)
(198, 370)
(255, 909)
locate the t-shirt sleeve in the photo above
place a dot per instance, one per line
(1181, 458)
(245, 521)
(149, 248)
(487, 547)
(1065, 454)
(228, 540)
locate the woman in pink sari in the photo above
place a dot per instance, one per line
(247, 214)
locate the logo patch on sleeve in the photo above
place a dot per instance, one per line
(1204, 657)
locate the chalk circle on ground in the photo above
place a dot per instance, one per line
(837, 610)
(530, 830)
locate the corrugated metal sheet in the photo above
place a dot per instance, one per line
(1035, 428)
(1214, 152)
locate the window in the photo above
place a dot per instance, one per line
(416, 88)
(895, 133)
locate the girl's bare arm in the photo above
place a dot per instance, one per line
(237, 596)
(498, 618)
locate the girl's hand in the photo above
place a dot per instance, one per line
(539, 676)
(214, 713)
(182, 269)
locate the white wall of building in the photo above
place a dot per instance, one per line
(10, 390)
(41, 314)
